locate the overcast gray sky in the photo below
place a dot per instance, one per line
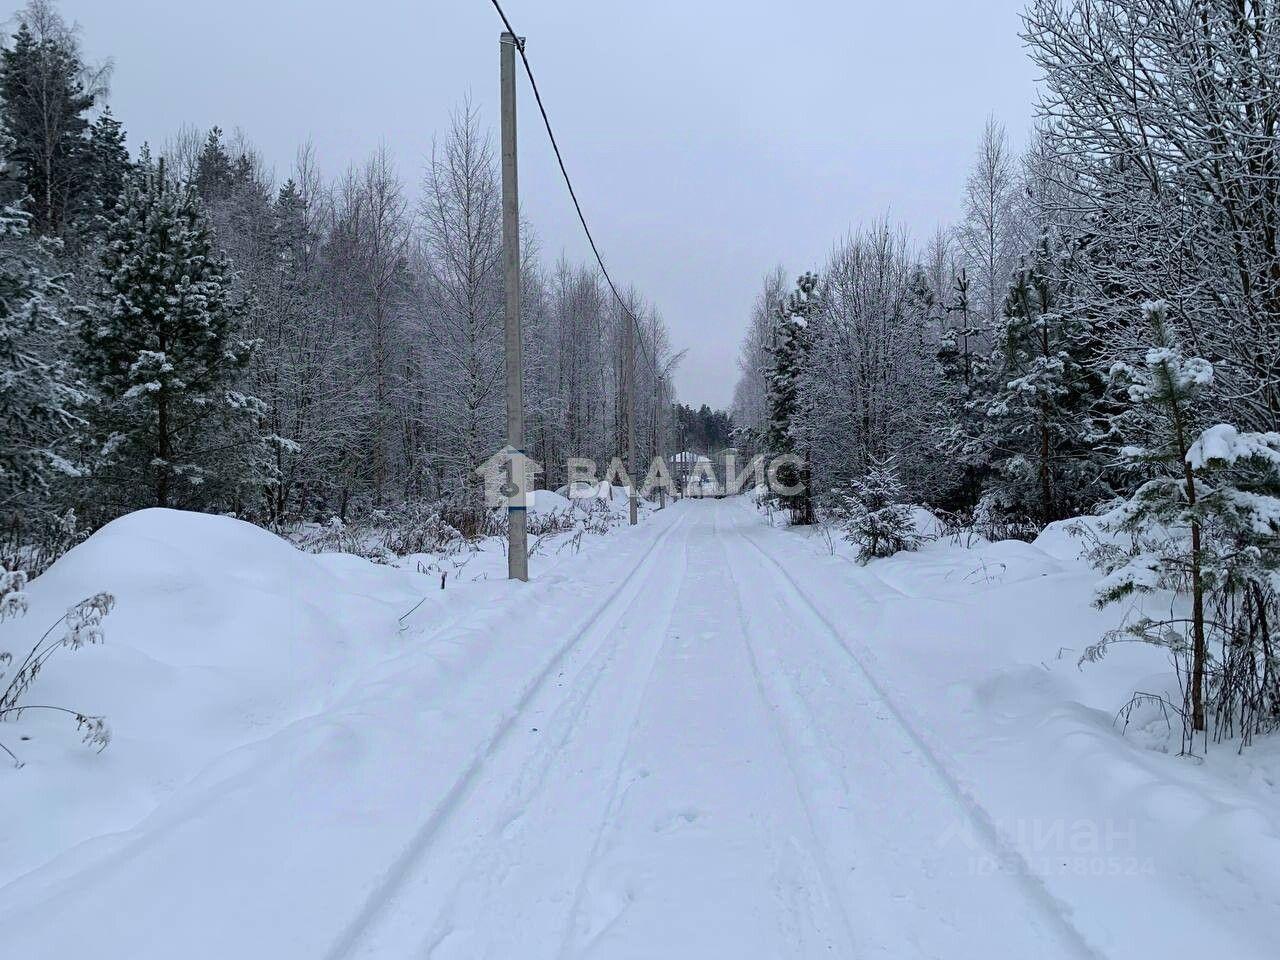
(708, 139)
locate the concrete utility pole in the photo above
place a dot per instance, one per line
(517, 514)
(629, 405)
(660, 431)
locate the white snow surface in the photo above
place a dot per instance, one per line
(1223, 443)
(548, 501)
(699, 738)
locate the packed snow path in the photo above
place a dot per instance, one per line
(709, 775)
(683, 746)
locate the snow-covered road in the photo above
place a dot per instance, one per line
(682, 746)
(710, 775)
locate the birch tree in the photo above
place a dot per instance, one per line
(461, 224)
(987, 235)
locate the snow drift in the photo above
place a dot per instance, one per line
(1152, 854)
(222, 633)
(283, 722)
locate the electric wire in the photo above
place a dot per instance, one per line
(573, 195)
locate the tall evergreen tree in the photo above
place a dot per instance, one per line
(962, 389)
(166, 355)
(38, 397)
(109, 165)
(787, 393)
(46, 103)
(1037, 418)
(215, 175)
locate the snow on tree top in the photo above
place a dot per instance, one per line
(1223, 443)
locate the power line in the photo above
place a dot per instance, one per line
(555, 146)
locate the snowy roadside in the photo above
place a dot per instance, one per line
(422, 540)
(242, 679)
(977, 646)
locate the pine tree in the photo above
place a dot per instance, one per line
(931, 477)
(46, 103)
(789, 355)
(1206, 524)
(166, 356)
(293, 366)
(1036, 426)
(1238, 509)
(873, 514)
(38, 398)
(1163, 515)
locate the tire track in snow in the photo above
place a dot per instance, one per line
(615, 784)
(788, 748)
(748, 879)
(983, 825)
(402, 868)
(567, 719)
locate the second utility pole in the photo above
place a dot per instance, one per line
(660, 433)
(629, 374)
(517, 514)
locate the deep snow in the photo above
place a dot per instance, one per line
(703, 737)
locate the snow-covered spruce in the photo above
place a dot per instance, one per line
(873, 515)
(38, 394)
(1205, 525)
(790, 396)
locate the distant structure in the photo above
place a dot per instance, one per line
(699, 475)
(693, 474)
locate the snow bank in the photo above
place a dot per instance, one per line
(926, 523)
(596, 494)
(283, 725)
(1151, 854)
(222, 634)
(595, 491)
(1068, 540)
(548, 501)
